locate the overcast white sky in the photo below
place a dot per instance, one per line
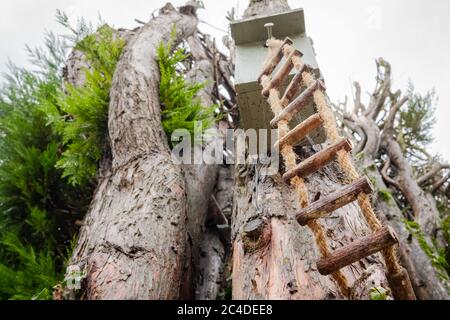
(348, 35)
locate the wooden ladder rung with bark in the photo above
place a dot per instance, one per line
(382, 239)
(357, 250)
(295, 85)
(318, 160)
(282, 73)
(300, 132)
(326, 205)
(270, 67)
(298, 104)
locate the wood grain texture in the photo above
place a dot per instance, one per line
(330, 203)
(297, 134)
(295, 106)
(401, 285)
(133, 241)
(294, 86)
(275, 60)
(357, 250)
(318, 160)
(281, 74)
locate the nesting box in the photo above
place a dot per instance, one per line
(250, 36)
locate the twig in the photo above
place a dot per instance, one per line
(385, 175)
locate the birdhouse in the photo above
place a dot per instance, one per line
(250, 36)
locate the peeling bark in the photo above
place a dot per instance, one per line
(273, 256)
(133, 241)
(379, 138)
(423, 275)
(284, 266)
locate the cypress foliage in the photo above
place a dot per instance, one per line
(181, 109)
(52, 137)
(80, 115)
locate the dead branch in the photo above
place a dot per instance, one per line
(390, 121)
(440, 183)
(382, 90)
(358, 105)
(434, 171)
(387, 178)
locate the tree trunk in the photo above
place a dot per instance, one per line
(133, 242)
(157, 230)
(281, 262)
(275, 258)
(424, 278)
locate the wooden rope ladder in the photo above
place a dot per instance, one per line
(383, 239)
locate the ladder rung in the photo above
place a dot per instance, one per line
(281, 74)
(300, 132)
(294, 85)
(357, 250)
(332, 202)
(295, 106)
(317, 161)
(275, 60)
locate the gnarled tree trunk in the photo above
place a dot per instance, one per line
(376, 136)
(133, 242)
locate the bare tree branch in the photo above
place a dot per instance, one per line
(359, 131)
(435, 170)
(386, 178)
(382, 90)
(358, 105)
(440, 183)
(389, 123)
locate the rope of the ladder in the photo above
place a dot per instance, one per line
(289, 158)
(345, 162)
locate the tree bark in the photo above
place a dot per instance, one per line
(424, 278)
(132, 244)
(366, 121)
(278, 261)
(157, 230)
(273, 256)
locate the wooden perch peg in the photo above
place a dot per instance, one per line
(358, 250)
(328, 204)
(281, 74)
(317, 161)
(268, 69)
(300, 132)
(294, 86)
(299, 103)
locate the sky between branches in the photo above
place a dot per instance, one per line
(348, 35)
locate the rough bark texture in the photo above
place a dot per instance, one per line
(423, 275)
(157, 230)
(266, 7)
(208, 189)
(279, 262)
(133, 241)
(214, 250)
(273, 256)
(377, 137)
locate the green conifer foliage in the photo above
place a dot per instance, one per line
(37, 206)
(181, 109)
(80, 114)
(51, 140)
